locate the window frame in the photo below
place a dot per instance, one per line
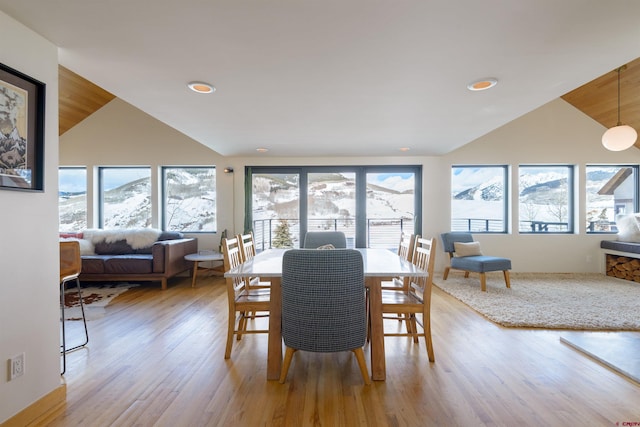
(163, 197)
(86, 190)
(361, 196)
(636, 190)
(505, 195)
(571, 200)
(100, 186)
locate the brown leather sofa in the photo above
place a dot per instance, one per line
(118, 261)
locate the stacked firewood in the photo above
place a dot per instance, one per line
(623, 267)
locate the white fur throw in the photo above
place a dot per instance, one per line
(137, 238)
(628, 227)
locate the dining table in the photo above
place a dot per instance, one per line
(379, 265)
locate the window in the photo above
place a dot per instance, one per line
(370, 204)
(276, 209)
(478, 198)
(331, 203)
(72, 199)
(611, 190)
(189, 199)
(391, 198)
(125, 197)
(546, 199)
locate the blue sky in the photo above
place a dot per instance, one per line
(75, 179)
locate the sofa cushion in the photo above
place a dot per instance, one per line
(128, 264)
(119, 247)
(481, 264)
(615, 245)
(92, 264)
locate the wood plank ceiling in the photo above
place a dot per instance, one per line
(598, 99)
(78, 98)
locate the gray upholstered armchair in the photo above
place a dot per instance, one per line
(315, 239)
(323, 304)
(465, 255)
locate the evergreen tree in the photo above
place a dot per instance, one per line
(282, 237)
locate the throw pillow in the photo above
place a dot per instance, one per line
(467, 249)
(628, 229)
(327, 246)
(119, 247)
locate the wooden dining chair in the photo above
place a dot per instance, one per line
(323, 304)
(70, 268)
(247, 252)
(405, 251)
(417, 298)
(244, 303)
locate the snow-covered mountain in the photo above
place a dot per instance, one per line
(190, 205)
(330, 196)
(543, 195)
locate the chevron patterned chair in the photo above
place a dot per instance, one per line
(323, 304)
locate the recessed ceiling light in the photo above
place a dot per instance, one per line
(482, 84)
(262, 150)
(201, 87)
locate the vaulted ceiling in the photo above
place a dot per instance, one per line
(599, 98)
(340, 78)
(78, 98)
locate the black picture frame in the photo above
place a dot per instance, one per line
(22, 107)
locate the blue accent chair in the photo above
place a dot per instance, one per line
(323, 304)
(475, 263)
(315, 239)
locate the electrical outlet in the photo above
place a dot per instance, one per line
(16, 366)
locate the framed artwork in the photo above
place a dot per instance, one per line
(21, 131)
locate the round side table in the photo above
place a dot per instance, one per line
(202, 256)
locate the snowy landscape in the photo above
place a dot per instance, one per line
(190, 203)
(543, 197)
(331, 202)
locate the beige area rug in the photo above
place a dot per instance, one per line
(95, 299)
(551, 301)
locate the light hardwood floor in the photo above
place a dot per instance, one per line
(157, 358)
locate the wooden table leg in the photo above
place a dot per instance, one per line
(274, 352)
(378, 364)
(195, 273)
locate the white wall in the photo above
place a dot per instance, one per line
(119, 134)
(29, 304)
(555, 133)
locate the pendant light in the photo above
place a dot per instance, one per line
(619, 137)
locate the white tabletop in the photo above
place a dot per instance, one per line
(377, 263)
(204, 256)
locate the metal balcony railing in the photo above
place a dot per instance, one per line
(381, 232)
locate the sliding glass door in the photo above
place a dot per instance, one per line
(391, 207)
(275, 209)
(331, 203)
(372, 205)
